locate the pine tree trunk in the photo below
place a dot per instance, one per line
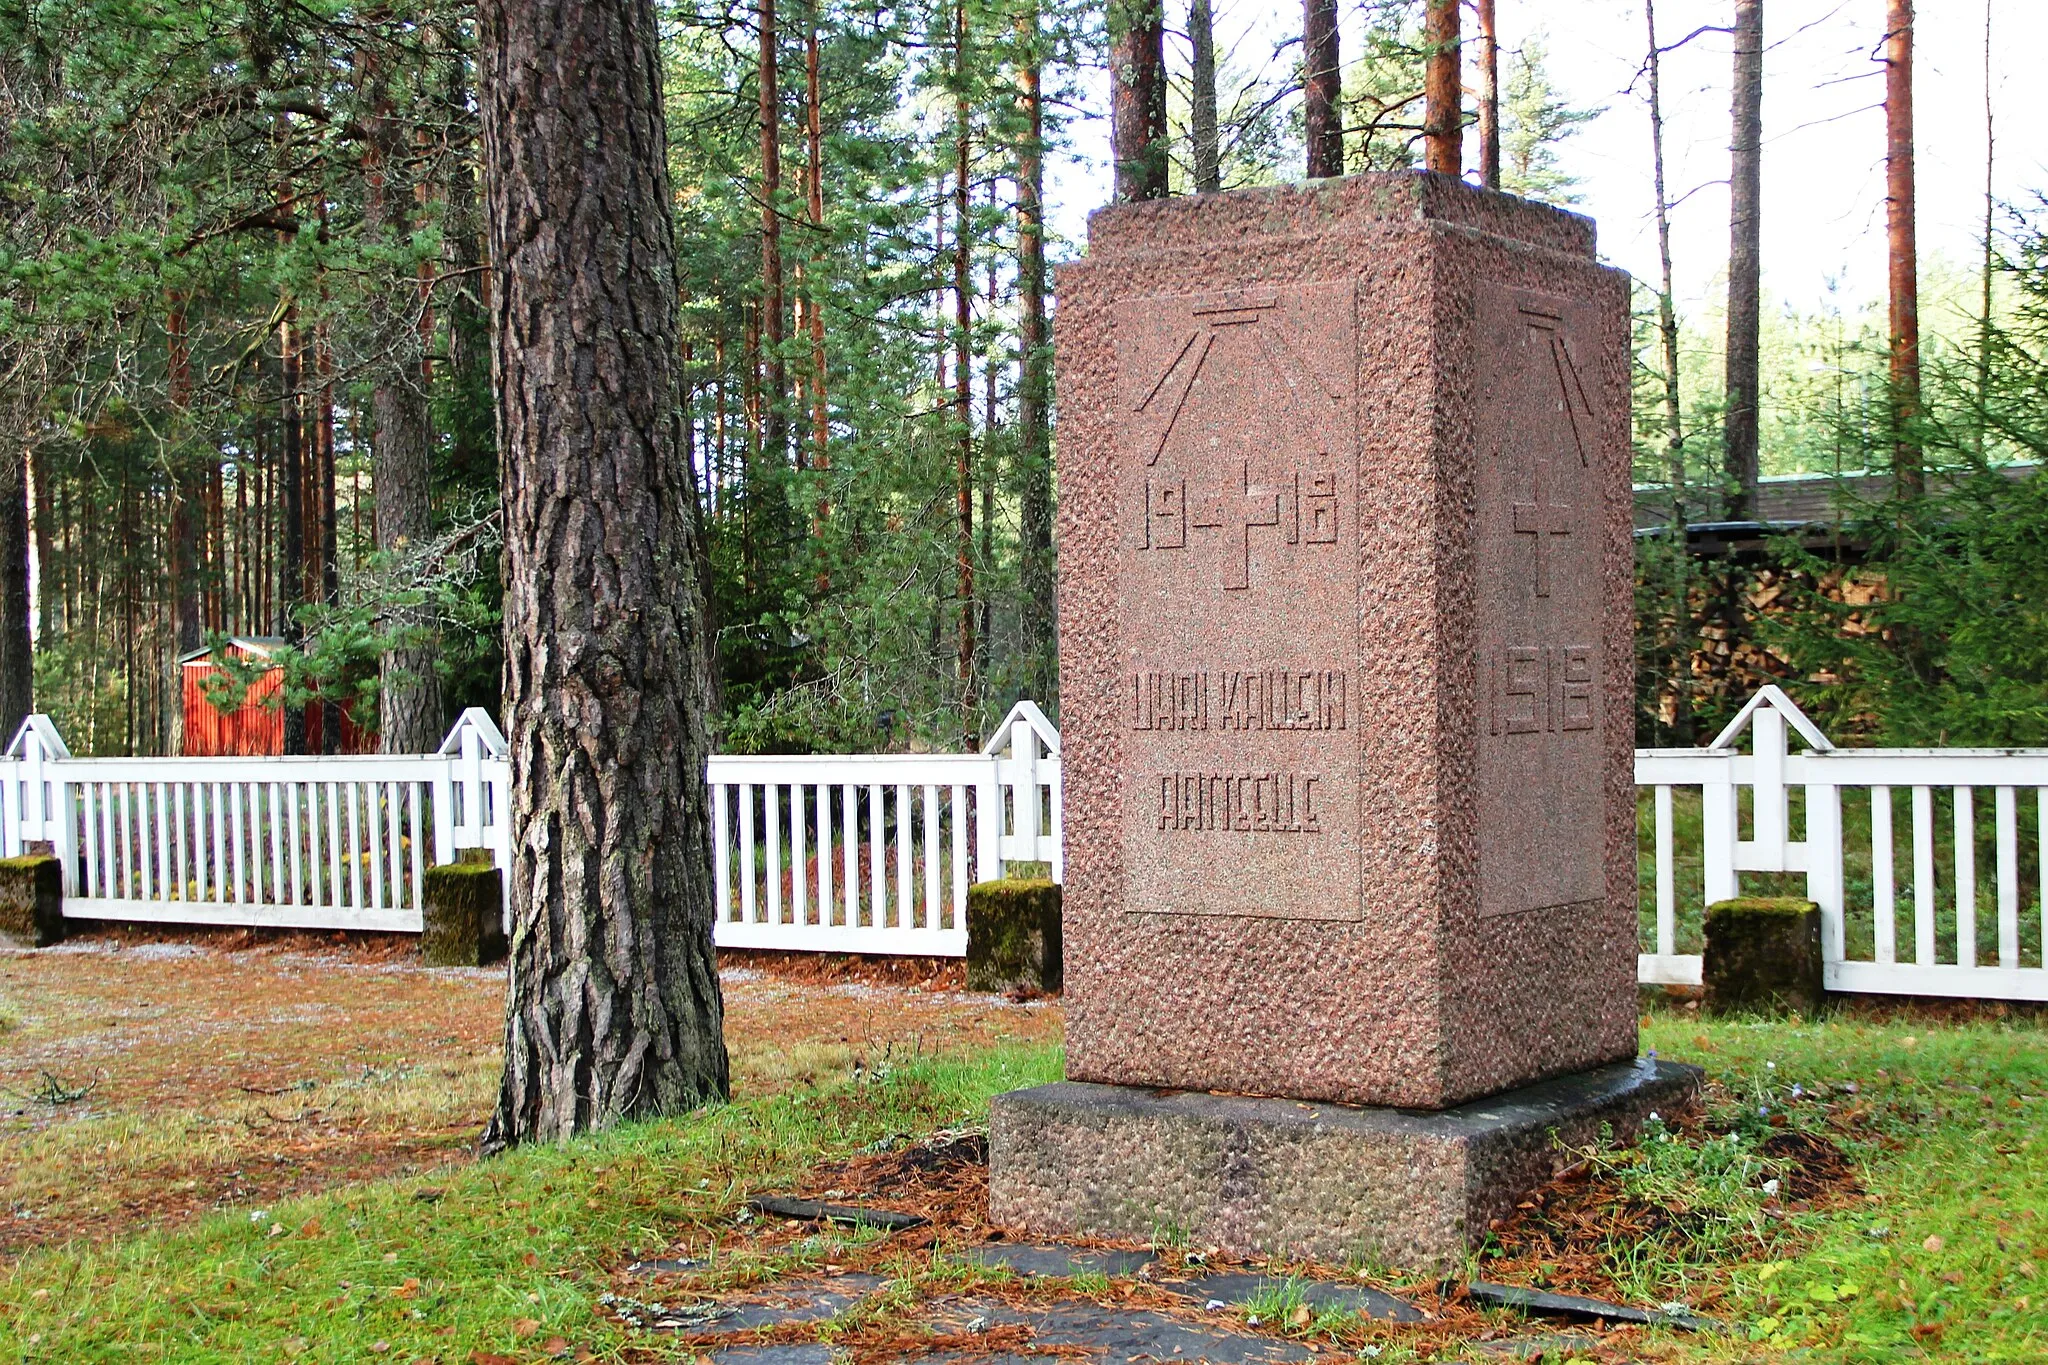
(409, 719)
(1039, 606)
(1681, 624)
(1322, 89)
(814, 175)
(613, 1009)
(17, 662)
(1489, 95)
(291, 573)
(1205, 148)
(1901, 250)
(963, 383)
(1137, 69)
(188, 493)
(1443, 117)
(1745, 256)
(774, 409)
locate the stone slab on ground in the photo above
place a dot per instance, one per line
(776, 1355)
(1111, 1336)
(1293, 1178)
(1242, 1287)
(1056, 1260)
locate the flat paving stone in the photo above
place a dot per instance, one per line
(1058, 1260)
(1111, 1336)
(1238, 1287)
(775, 1355)
(794, 1301)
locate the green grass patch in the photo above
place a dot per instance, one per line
(500, 1257)
(1940, 1257)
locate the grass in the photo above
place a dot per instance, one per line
(503, 1257)
(1938, 1253)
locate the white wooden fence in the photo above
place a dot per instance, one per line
(329, 843)
(874, 853)
(1852, 865)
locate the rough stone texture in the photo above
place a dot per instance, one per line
(463, 909)
(1763, 953)
(1013, 935)
(31, 900)
(1289, 1178)
(1345, 651)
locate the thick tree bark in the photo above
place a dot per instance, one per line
(1039, 615)
(1988, 263)
(774, 409)
(613, 1009)
(1489, 96)
(1322, 89)
(1205, 150)
(1443, 118)
(1745, 256)
(1901, 250)
(1137, 69)
(408, 685)
(963, 383)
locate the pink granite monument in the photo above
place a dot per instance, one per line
(1346, 709)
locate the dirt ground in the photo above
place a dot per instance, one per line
(147, 1078)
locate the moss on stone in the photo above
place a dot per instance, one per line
(1763, 953)
(31, 900)
(1013, 935)
(462, 912)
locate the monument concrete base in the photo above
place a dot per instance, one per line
(1283, 1177)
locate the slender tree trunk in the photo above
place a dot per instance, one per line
(291, 577)
(1039, 607)
(1137, 66)
(188, 492)
(1681, 624)
(613, 1009)
(821, 423)
(1745, 255)
(49, 577)
(1205, 149)
(326, 516)
(1667, 312)
(774, 401)
(1489, 96)
(408, 685)
(1901, 249)
(1322, 89)
(1443, 118)
(1990, 258)
(963, 379)
(17, 659)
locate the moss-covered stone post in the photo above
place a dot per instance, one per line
(31, 900)
(464, 909)
(1763, 953)
(1013, 935)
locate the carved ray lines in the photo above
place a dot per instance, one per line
(1160, 408)
(1569, 385)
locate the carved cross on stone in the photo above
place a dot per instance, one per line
(1236, 511)
(1542, 520)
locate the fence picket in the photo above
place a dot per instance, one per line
(2008, 878)
(1966, 877)
(1882, 888)
(1923, 876)
(772, 812)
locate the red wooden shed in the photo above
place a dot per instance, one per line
(255, 725)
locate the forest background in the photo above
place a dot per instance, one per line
(245, 388)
